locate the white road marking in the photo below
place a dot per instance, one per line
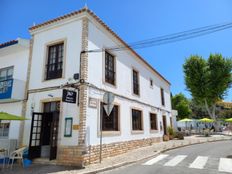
(199, 162)
(176, 160)
(225, 165)
(155, 160)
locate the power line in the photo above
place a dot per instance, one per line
(170, 38)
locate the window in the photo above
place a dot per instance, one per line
(153, 121)
(135, 82)
(52, 106)
(137, 120)
(55, 61)
(151, 83)
(109, 68)
(68, 127)
(6, 73)
(4, 130)
(110, 123)
(162, 96)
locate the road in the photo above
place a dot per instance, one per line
(208, 158)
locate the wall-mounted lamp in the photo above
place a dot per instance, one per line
(50, 95)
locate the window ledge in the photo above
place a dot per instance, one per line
(135, 95)
(137, 132)
(49, 80)
(109, 84)
(154, 131)
(110, 133)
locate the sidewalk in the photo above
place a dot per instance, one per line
(117, 161)
(144, 153)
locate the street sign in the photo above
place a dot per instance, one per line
(69, 96)
(108, 108)
(108, 99)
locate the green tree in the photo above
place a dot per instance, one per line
(225, 113)
(198, 110)
(208, 80)
(181, 104)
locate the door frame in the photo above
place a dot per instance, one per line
(54, 135)
(164, 118)
(35, 150)
(41, 107)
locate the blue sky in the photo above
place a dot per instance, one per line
(136, 20)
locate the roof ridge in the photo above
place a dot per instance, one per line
(59, 18)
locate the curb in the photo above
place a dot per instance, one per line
(147, 157)
(197, 143)
(119, 165)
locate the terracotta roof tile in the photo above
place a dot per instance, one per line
(9, 43)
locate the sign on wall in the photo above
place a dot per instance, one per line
(69, 96)
(76, 127)
(6, 89)
(93, 102)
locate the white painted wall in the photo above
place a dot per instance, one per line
(125, 62)
(93, 118)
(124, 65)
(16, 109)
(17, 59)
(35, 104)
(71, 33)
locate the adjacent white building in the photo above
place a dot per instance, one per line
(13, 76)
(80, 45)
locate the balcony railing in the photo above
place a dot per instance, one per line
(12, 90)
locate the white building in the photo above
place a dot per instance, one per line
(69, 132)
(13, 76)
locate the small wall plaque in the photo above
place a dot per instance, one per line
(92, 102)
(76, 127)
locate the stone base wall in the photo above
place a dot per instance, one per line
(71, 155)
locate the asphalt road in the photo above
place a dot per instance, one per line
(209, 158)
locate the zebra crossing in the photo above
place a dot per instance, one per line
(200, 162)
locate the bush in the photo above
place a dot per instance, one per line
(179, 135)
(171, 131)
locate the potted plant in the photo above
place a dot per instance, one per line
(206, 132)
(165, 138)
